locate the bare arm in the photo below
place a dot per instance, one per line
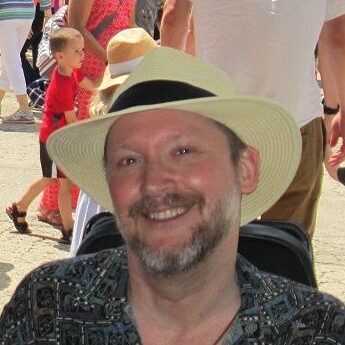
(78, 15)
(132, 22)
(70, 116)
(89, 84)
(190, 43)
(175, 23)
(332, 45)
(328, 80)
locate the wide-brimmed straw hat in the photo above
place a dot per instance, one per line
(170, 79)
(124, 52)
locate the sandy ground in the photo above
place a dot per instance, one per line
(19, 166)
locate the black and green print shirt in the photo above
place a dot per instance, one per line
(82, 301)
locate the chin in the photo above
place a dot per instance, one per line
(176, 257)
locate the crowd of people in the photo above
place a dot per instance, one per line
(190, 119)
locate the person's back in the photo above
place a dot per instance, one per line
(266, 47)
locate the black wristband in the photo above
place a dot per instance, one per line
(341, 175)
(329, 110)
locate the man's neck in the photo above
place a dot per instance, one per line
(65, 70)
(191, 307)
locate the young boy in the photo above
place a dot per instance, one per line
(67, 46)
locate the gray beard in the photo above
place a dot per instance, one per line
(206, 236)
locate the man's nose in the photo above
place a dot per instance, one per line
(158, 177)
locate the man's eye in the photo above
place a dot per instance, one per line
(183, 151)
(127, 161)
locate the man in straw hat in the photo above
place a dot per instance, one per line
(182, 159)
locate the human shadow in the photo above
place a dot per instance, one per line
(62, 246)
(4, 278)
(32, 128)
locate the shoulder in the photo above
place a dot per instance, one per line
(78, 75)
(57, 78)
(59, 82)
(69, 288)
(284, 309)
(75, 269)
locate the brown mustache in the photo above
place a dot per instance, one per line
(148, 204)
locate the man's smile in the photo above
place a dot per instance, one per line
(167, 214)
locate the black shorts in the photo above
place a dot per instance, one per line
(49, 169)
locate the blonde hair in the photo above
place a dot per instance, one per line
(60, 38)
(100, 100)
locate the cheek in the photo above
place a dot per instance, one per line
(208, 177)
(206, 182)
(124, 192)
(212, 181)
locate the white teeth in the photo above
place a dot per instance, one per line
(168, 214)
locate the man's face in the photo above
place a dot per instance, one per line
(174, 187)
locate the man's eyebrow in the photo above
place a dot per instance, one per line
(121, 147)
(172, 137)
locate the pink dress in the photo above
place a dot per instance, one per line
(92, 68)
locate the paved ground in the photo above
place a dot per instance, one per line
(19, 165)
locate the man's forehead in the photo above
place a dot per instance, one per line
(163, 117)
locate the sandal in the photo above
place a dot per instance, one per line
(52, 218)
(66, 236)
(14, 214)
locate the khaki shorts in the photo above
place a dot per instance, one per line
(300, 201)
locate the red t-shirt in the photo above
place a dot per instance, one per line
(59, 98)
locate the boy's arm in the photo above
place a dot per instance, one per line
(70, 116)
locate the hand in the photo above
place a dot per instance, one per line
(338, 132)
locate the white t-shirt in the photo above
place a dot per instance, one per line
(267, 47)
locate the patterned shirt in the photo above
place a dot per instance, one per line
(83, 301)
(20, 9)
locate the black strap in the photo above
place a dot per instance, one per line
(99, 29)
(328, 110)
(156, 92)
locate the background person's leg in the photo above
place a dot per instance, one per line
(13, 42)
(299, 203)
(4, 82)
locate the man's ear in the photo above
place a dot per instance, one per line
(248, 170)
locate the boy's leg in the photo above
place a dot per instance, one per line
(65, 203)
(37, 187)
(17, 211)
(32, 192)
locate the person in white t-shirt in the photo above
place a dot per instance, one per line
(267, 48)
